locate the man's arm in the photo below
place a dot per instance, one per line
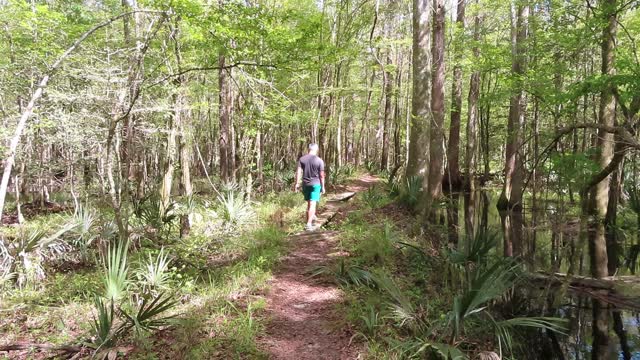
(296, 185)
(322, 189)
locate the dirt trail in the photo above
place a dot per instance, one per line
(303, 322)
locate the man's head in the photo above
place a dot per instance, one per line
(313, 149)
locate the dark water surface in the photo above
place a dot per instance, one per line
(548, 240)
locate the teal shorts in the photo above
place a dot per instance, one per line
(312, 192)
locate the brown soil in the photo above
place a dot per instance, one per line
(304, 321)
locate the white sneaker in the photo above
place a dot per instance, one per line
(308, 227)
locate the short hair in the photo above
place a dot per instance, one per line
(313, 147)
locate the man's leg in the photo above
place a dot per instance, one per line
(311, 211)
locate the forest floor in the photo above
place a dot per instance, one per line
(304, 321)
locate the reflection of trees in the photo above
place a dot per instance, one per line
(618, 327)
(600, 330)
(452, 218)
(512, 227)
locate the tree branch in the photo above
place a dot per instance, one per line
(622, 134)
(210, 68)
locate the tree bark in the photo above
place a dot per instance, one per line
(224, 112)
(420, 101)
(511, 196)
(436, 136)
(599, 196)
(472, 116)
(452, 178)
(388, 98)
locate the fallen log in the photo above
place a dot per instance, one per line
(67, 349)
(620, 291)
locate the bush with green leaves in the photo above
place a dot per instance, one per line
(377, 246)
(410, 192)
(153, 274)
(472, 309)
(155, 213)
(339, 175)
(85, 233)
(373, 198)
(345, 273)
(119, 312)
(23, 259)
(116, 271)
(235, 210)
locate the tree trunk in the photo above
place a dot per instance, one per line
(436, 138)
(388, 98)
(599, 197)
(452, 177)
(184, 127)
(420, 101)
(511, 196)
(224, 107)
(472, 116)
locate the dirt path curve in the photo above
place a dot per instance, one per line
(303, 323)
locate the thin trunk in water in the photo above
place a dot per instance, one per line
(599, 195)
(511, 196)
(472, 116)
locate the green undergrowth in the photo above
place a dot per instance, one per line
(213, 280)
(409, 297)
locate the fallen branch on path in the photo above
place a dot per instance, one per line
(65, 349)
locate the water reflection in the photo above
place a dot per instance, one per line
(547, 238)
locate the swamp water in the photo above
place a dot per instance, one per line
(548, 240)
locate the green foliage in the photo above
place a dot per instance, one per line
(339, 175)
(573, 170)
(85, 234)
(153, 273)
(24, 260)
(147, 316)
(403, 311)
(371, 320)
(102, 327)
(504, 328)
(373, 198)
(116, 271)
(235, 210)
(486, 284)
(411, 191)
(154, 213)
(475, 248)
(345, 273)
(377, 246)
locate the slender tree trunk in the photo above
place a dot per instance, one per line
(511, 196)
(472, 116)
(224, 107)
(436, 136)
(420, 100)
(599, 197)
(339, 134)
(452, 175)
(388, 98)
(184, 127)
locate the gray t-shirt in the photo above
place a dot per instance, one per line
(311, 166)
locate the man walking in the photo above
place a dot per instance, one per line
(311, 171)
